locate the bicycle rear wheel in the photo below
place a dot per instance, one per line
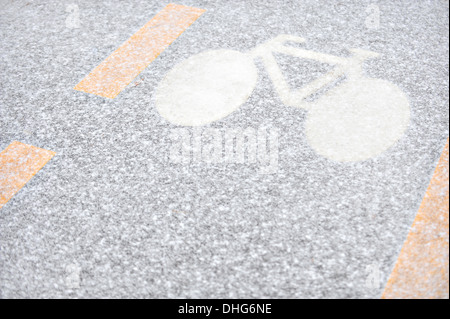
(206, 87)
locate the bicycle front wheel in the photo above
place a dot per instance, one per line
(206, 87)
(358, 120)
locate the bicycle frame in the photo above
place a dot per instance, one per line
(351, 67)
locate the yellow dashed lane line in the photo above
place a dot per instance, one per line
(18, 164)
(421, 270)
(131, 58)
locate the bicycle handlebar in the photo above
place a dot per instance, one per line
(277, 44)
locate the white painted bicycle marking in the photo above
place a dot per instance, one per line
(354, 121)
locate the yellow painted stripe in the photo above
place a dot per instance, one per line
(421, 270)
(18, 164)
(123, 65)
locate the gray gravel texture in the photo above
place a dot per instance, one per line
(110, 216)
